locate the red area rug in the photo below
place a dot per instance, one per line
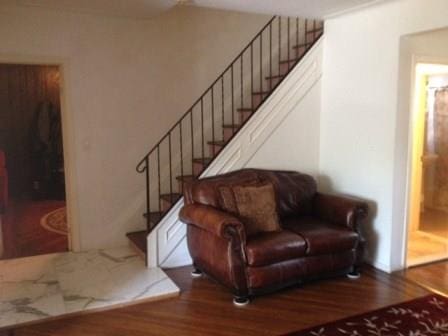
(55, 221)
(23, 234)
(426, 316)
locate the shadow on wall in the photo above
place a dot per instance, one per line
(367, 230)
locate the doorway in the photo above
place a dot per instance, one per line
(428, 217)
(32, 177)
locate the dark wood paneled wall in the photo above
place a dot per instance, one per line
(22, 89)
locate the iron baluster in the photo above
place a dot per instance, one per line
(181, 157)
(213, 120)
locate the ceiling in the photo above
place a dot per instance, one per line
(139, 9)
(144, 9)
(303, 8)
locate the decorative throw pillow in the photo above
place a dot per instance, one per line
(227, 199)
(227, 196)
(257, 208)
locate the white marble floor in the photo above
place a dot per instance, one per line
(48, 286)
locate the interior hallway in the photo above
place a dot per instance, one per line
(23, 234)
(430, 242)
(435, 222)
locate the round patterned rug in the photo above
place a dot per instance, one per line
(56, 221)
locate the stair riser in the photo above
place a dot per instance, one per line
(214, 149)
(139, 252)
(284, 68)
(244, 116)
(137, 240)
(257, 99)
(295, 54)
(273, 81)
(165, 205)
(197, 168)
(179, 187)
(228, 133)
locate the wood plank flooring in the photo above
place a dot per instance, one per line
(205, 308)
(432, 276)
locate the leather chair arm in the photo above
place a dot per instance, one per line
(340, 210)
(217, 222)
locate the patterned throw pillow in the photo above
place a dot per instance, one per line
(257, 208)
(227, 199)
(227, 196)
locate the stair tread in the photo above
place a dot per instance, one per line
(245, 109)
(206, 160)
(292, 60)
(138, 239)
(302, 45)
(171, 198)
(217, 142)
(154, 217)
(317, 30)
(185, 178)
(231, 126)
(275, 76)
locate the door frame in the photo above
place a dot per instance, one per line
(416, 59)
(68, 139)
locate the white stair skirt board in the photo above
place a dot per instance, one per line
(35, 289)
(167, 243)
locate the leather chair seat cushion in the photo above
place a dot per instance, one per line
(320, 236)
(273, 247)
(290, 271)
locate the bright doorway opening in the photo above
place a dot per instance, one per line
(428, 211)
(33, 216)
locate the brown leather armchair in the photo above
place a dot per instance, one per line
(319, 236)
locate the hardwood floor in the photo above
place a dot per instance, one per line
(205, 308)
(23, 234)
(434, 222)
(432, 276)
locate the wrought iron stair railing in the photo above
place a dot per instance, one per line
(193, 142)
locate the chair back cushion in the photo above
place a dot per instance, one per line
(294, 191)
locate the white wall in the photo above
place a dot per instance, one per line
(294, 144)
(430, 45)
(125, 83)
(364, 127)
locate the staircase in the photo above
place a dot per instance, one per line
(189, 147)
